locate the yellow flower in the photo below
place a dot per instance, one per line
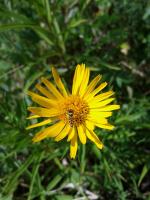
(72, 115)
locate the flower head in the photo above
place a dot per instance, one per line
(73, 115)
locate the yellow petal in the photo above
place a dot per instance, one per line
(73, 146)
(78, 77)
(84, 82)
(93, 137)
(51, 131)
(105, 126)
(98, 114)
(90, 125)
(44, 91)
(98, 120)
(92, 85)
(58, 82)
(63, 133)
(98, 89)
(103, 96)
(94, 105)
(47, 121)
(43, 101)
(81, 133)
(33, 117)
(71, 134)
(51, 88)
(108, 108)
(43, 112)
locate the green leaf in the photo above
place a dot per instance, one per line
(59, 35)
(13, 179)
(75, 23)
(34, 173)
(4, 66)
(109, 66)
(54, 182)
(83, 158)
(48, 11)
(44, 37)
(64, 197)
(11, 14)
(40, 31)
(143, 174)
(7, 27)
(7, 197)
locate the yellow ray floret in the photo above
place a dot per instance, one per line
(92, 85)
(51, 88)
(44, 112)
(72, 116)
(63, 133)
(103, 96)
(73, 146)
(44, 91)
(43, 101)
(33, 117)
(78, 77)
(71, 134)
(51, 131)
(47, 121)
(59, 82)
(81, 133)
(101, 103)
(89, 96)
(84, 82)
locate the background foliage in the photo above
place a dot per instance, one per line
(111, 37)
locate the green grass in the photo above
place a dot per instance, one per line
(112, 38)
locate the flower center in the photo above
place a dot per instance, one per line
(74, 110)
